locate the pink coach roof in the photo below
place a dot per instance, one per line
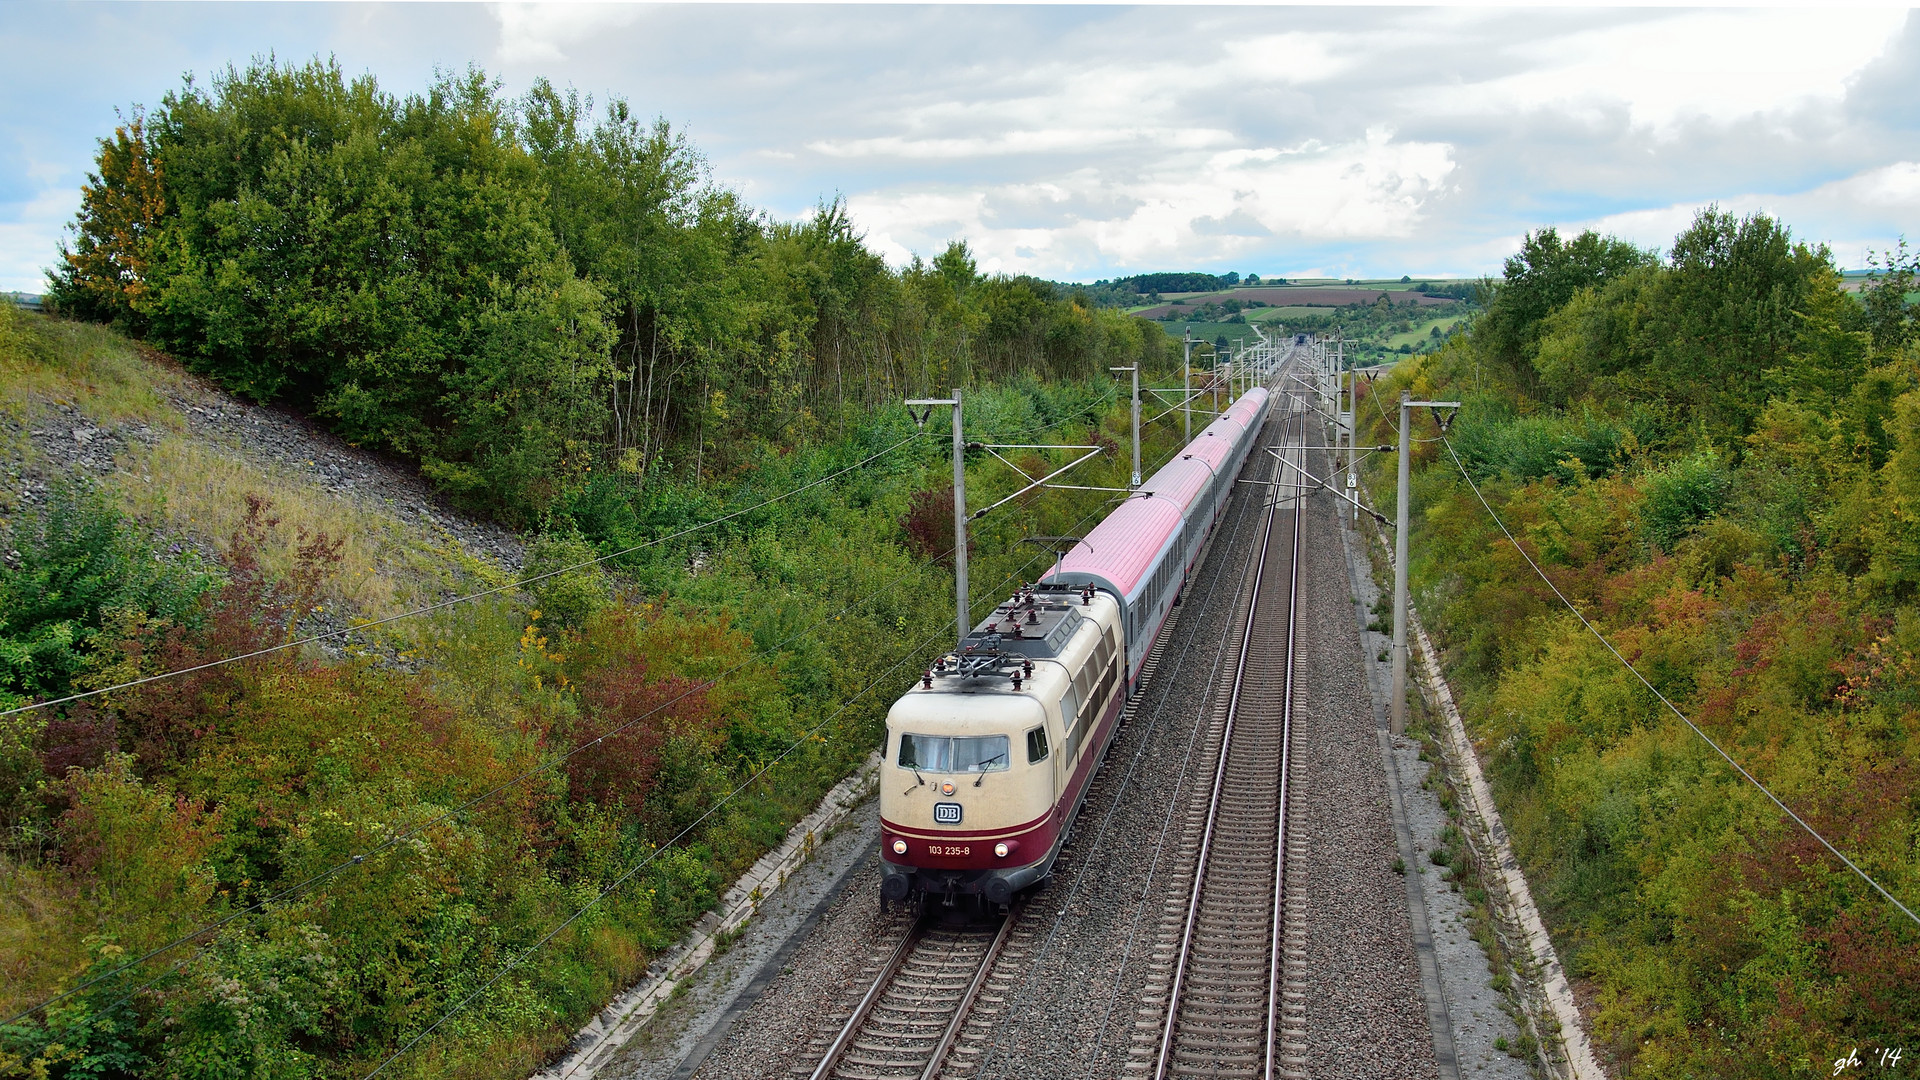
(1215, 445)
(1248, 406)
(1180, 481)
(1120, 549)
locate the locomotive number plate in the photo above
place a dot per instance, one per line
(946, 813)
(949, 849)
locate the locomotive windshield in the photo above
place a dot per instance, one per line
(953, 753)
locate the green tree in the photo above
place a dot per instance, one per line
(1543, 275)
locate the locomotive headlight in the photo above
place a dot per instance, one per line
(1000, 850)
(900, 847)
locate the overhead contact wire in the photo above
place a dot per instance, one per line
(299, 887)
(322, 876)
(442, 605)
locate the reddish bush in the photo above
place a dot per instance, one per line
(161, 722)
(929, 525)
(625, 719)
(77, 739)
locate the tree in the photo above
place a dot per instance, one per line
(1544, 275)
(1729, 309)
(106, 274)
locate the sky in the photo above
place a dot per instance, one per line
(1085, 142)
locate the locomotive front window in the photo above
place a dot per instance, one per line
(954, 753)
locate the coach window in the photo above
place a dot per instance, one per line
(1036, 745)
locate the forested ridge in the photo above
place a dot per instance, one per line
(1714, 453)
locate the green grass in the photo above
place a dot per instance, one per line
(45, 361)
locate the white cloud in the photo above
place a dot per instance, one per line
(542, 33)
(1294, 58)
(1091, 141)
(29, 233)
(1213, 206)
(1672, 68)
(1044, 141)
(1853, 215)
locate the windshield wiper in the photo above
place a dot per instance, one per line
(989, 761)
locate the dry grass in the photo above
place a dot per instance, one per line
(188, 486)
(92, 367)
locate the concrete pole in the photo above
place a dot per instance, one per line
(963, 618)
(1186, 384)
(1400, 570)
(1136, 424)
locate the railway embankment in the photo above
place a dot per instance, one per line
(1506, 997)
(182, 455)
(689, 1006)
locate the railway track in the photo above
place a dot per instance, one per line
(1232, 957)
(917, 1009)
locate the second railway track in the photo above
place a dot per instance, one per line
(1233, 1004)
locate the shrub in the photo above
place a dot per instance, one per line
(573, 592)
(80, 565)
(1682, 495)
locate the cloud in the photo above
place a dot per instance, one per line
(1082, 141)
(1228, 203)
(542, 33)
(29, 231)
(1670, 69)
(1852, 215)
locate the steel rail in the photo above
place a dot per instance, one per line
(892, 967)
(960, 1014)
(1286, 773)
(1177, 985)
(889, 972)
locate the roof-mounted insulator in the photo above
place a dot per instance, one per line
(1026, 666)
(1033, 617)
(1016, 680)
(926, 680)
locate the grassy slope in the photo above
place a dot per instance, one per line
(193, 487)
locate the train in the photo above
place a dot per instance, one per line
(989, 757)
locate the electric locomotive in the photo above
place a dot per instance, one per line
(988, 759)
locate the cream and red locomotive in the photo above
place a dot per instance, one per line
(989, 757)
